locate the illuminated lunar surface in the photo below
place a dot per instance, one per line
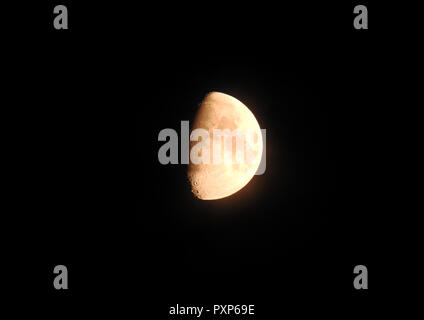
(215, 181)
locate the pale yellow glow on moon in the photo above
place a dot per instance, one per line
(216, 181)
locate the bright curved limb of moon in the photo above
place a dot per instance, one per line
(215, 181)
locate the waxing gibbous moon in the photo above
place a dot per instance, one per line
(219, 180)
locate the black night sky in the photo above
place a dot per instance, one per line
(134, 238)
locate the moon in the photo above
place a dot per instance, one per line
(210, 181)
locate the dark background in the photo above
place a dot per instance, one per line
(133, 237)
